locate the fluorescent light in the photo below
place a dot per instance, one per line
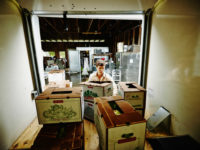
(53, 40)
(102, 41)
(64, 40)
(59, 40)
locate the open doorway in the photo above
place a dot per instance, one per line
(82, 39)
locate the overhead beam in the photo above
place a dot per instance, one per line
(77, 26)
(101, 26)
(50, 46)
(89, 25)
(52, 26)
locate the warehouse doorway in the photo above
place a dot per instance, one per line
(121, 34)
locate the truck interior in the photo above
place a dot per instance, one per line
(154, 43)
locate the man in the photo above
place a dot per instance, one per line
(100, 75)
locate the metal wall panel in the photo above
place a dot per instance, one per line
(74, 61)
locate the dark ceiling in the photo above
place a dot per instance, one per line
(94, 30)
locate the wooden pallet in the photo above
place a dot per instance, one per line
(60, 136)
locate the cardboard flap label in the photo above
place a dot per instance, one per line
(126, 140)
(58, 101)
(90, 87)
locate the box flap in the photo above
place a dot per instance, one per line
(56, 71)
(99, 84)
(60, 93)
(127, 115)
(108, 98)
(130, 87)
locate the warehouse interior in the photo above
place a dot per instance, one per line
(154, 43)
(91, 39)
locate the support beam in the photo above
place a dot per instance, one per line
(52, 26)
(89, 25)
(105, 21)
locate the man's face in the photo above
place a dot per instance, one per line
(100, 69)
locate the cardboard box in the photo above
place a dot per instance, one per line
(59, 84)
(89, 110)
(119, 126)
(92, 90)
(98, 89)
(134, 94)
(56, 75)
(59, 105)
(60, 136)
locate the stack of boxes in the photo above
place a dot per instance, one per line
(134, 94)
(56, 106)
(118, 119)
(92, 90)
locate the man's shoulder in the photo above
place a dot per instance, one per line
(93, 74)
(108, 76)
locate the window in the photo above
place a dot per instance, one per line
(49, 54)
(62, 54)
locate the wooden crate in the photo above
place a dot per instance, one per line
(59, 105)
(60, 136)
(134, 94)
(119, 126)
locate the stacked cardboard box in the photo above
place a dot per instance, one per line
(134, 94)
(118, 124)
(59, 84)
(61, 112)
(92, 90)
(56, 75)
(60, 105)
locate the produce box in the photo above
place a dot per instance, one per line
(92, 90)
(96, 89)
(119, 126)
(60, 136)
(59, 84)
(56, 75)
(60, 105)
(89, 110)
(134, 94)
